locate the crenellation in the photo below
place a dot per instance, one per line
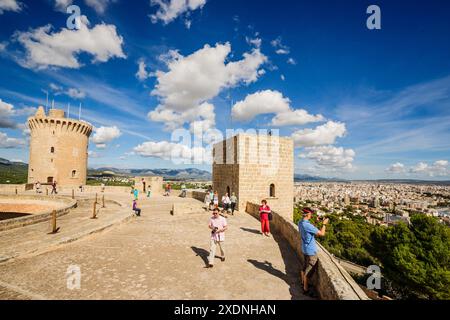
(55, 146)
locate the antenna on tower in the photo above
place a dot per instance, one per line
(79, 113)
(46, 101)
(68, 110)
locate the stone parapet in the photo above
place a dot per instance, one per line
(63, 207)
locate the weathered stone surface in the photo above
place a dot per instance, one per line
(160, 256)
(249, 164)
(58, 148)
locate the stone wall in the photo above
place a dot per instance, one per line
(155, 183)
(249, 164)
(58, 148)
(63, 205)
(331, 280)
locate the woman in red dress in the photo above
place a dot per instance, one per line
(264, 211)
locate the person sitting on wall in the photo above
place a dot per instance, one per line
(38, 187)
(136, 210)
(308, 232)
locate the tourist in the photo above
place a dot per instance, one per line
(38, 187)
(216, 200)
(136, 193)
(233, 200)
(211, 197)
(207, 201)
(136, 210)
(149, 191)
(143, 186)
(103, 187)
(81, 188)
(218, 225)
(183, 191)
(264, 212)
(308, 232)
(226, 202)
(54, 188)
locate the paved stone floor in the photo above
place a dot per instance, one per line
(160, 256)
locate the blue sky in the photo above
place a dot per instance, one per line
(359, 103)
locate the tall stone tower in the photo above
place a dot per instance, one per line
(256, 167)
(58, 148)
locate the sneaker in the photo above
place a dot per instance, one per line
(210, 266)
(223, 259)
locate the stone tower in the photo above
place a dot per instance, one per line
(58, 148)
(256, 167)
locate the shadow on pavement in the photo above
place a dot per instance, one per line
(202, 253)
(251, 230)
(291, 274)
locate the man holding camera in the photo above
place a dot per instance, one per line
(218, 226)
(308, 232)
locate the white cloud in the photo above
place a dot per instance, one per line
(10, 5)
(99, 6)
(325, 134)
(330, 157)
(295, 118)
(256, 42)
(396, 168)
(76, 94)
(104, 135)
(169, 10)
(142, 73)
(71, 92)
(438, 168)
(280, 47)
(204, 114)
(8, 143)
(93, 154)
(282, 51)
(172, 151)
(283, 77)
(292, 61)
(45, 48)
(7, 111)
(181, 96)
(61, 5)
(261, 102)
(269, 101)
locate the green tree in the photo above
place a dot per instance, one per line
(415, 257)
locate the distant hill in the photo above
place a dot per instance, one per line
(308, 178)
(406, 181)
(13, 172)
(169, 174)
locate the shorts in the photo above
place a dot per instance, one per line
(309, 264)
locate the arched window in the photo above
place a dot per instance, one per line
(52, 149)
(74, 173)
(272, 191)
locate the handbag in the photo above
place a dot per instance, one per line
(270, 216)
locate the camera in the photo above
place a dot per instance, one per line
(215, 230)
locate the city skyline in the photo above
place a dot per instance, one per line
(359, 103)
